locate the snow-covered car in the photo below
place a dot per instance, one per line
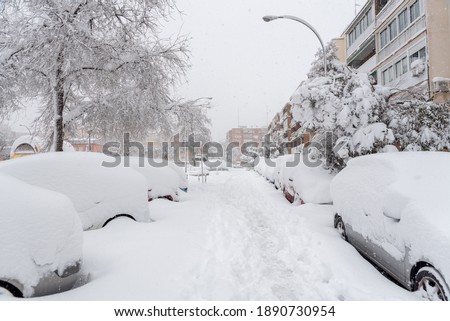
(99, 193)
(394, 208)
(162, 180)
(266, 168)
(182, 174)
(285, 165)
(41, 240)
(308, 182)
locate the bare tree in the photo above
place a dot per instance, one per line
(6, 136)
(101, 60)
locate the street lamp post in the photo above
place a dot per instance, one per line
(271, 18)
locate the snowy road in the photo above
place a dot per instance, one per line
(234, 238)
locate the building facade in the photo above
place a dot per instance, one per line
(244, 134)
(402, 44)
(284, 131)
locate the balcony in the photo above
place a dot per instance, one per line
(409, 33)
(387, 10)
(360, 40)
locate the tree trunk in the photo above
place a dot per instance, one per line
(58, 105)
(59, 127)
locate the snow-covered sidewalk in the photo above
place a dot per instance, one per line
(233, 238)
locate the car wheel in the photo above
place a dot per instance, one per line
(431, 284)
(9, 289)
(117, 216)
(340, 226)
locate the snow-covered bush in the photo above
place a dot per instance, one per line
(419, 125)
(340, 107)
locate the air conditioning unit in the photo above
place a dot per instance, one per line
(417, 67)
(441, 85)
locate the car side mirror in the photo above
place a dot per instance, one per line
(392, 215)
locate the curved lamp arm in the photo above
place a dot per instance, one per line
(271, 18)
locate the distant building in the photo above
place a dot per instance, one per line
(284, 131)
(83, 145)
(402, 44)
(244, 134)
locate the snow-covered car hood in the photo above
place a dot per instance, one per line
(413, 189)
(40, 232)
(97, 192)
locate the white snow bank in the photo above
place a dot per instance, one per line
(40, 232)
(97, 192)
(413, 189)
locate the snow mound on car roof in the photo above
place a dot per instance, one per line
(40, 232)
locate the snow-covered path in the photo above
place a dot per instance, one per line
(233, 238)
(260, 247)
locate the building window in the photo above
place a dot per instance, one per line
(401, 67)
(414, 11)
(384, 37)
(370, 16)
(393, 29)
(403, 20)
(421, 54)
(360, 27)
(388, 75)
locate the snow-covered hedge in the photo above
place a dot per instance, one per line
(347, 116)
(419, 125)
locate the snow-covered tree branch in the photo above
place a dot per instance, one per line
(102, 59)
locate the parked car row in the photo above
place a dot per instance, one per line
(301, 180)
(49, 199)
(392, 207)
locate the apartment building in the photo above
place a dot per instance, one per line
(244, 134)
(284, 131)
(402, 44)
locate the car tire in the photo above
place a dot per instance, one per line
(340, 226)
(117, 216)
(8, 288)
(432, 285)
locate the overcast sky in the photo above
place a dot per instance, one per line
(249, 66)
